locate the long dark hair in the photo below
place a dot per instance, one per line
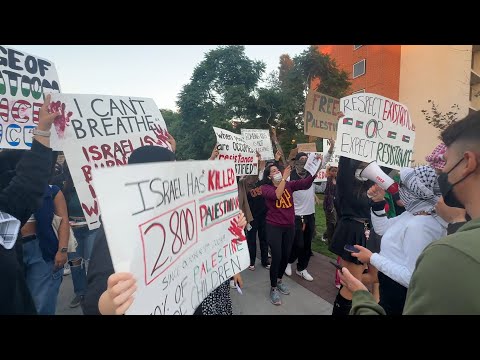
(266, 174)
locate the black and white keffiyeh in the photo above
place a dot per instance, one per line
(9, 228)
(419, 190)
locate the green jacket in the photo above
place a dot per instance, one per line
(445, 280)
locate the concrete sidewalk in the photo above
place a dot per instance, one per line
(254, 301)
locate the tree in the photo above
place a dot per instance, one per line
(283, 103)
(438, 119)
(221, 90)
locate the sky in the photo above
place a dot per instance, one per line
(152, 71)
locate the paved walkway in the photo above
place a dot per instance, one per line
(306, 298)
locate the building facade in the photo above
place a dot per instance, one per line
(413, 75)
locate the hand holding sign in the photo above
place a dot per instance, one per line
(313, 163)
(119, 294)
(45, 119)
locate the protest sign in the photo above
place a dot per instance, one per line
(307, 147)
(260, 141)
(24, 79)
(320, 117)
(375, 128)
(174, 226)
(102, 131)
(231, 146)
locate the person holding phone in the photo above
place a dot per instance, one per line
(403, 237)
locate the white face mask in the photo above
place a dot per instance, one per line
(357, 175)
(277, 177)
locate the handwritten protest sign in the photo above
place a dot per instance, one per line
(312, 163)
(321, 115)
(175, 228)
(102, 131)
(260, 141)
(375, 128)
(322, 174)
(231, 146)
(24, 79)
(307, 147)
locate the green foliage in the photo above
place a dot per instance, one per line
(224, 91)
(438, 119)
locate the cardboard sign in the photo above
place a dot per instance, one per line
(260, 141)
(24, 79)
(174, 226)
(375, 128)
(231, 146)
(308, 147)
(321, 115)
(102, 131)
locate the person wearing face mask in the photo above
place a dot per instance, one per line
(434, 287)
(304, 205)
(403, 237)
(280, 221)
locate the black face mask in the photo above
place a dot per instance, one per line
(447, 188)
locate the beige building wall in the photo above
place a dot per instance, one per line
(433, 72)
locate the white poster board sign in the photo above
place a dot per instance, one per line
(231, 146)
(175, 228)
(260, 141)
(102, 131)
(322, 174)
(24, 79)
(375, 128)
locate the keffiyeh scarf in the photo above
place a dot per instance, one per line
(419, 190)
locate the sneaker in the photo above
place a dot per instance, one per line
(283, 288)
(232, 284)
(77, 300)
(304, 274)
(251, 268)
(267, 266)
(66, 269)
(288, 270)
(275, 297)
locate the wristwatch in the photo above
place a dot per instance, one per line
(63, 250)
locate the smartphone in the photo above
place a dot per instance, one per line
(351, 248)
(339, 267)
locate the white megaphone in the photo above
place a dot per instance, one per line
(374, 173)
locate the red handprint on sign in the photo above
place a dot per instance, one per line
(236, 231)
(62, 120)
(162, 136)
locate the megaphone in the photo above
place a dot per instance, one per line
(374, 173)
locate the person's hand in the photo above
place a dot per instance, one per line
(242, 220)
(278, 155)
(350, 281)
(172, 142)
(376, 193)
(238, 280)
(215, 153)
(450, 214)
(363, 255)
(319, 157)
(286, 172)
(60, 259)
(45, 119)
(332, 144)
(120, 290)
(317, 200)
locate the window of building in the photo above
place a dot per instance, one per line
(355, 47)
(359, 68)
(359, 91)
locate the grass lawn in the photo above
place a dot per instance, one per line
(318, 245)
